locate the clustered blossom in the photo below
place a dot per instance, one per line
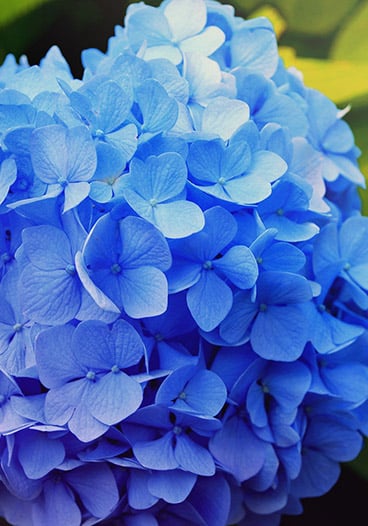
(184, 280)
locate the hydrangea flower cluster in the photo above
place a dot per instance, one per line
(184, 280)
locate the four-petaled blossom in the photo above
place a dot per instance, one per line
(64, 159)
(83, 368)
(203, 263)
(121, 266)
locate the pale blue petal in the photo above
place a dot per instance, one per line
(49, 153)
(280, 333)
(60, 402)
(47, 247)
(113, 106)
(148, 24)
(182, 23)
(74, 194)
(96, 294)
(207, 42)
(159, 111)
(8, 175)
(224, 116)
(239, 266)
(81, 155)
(125, 140)
(100, 191)
(129, 348)
(178, 219)
(204, 160)
(143, 244)
(255, 49)
(49, 297)
(289, 230)
(144, 292)
(209, 300)
(160, 178)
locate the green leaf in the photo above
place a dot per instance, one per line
(343, 81)
(9, 11)
(314, 17)
(270, 12)
(358, 118)
(352, 40)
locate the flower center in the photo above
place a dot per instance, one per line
(116, 268)
(70, 269)
(115, 369)
(207, 265)
(177, 430)
(221, 181)
(91, 375)
(262, 307)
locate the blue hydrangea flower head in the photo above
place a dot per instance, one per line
(183, 279)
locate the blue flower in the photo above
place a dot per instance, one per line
(172, 441)
(275, 321)
(236, 172)
(202, 264)
(155, 191)
(88, 388)
(172, 30)
(122, 264)
(65, 160)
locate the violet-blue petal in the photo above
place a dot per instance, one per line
(96, 486)
(53, 346)
(39, 453)
(193, 457)
(116, 396)
(156, 454)
(172, 486)
(238, 449)
(56, 505)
